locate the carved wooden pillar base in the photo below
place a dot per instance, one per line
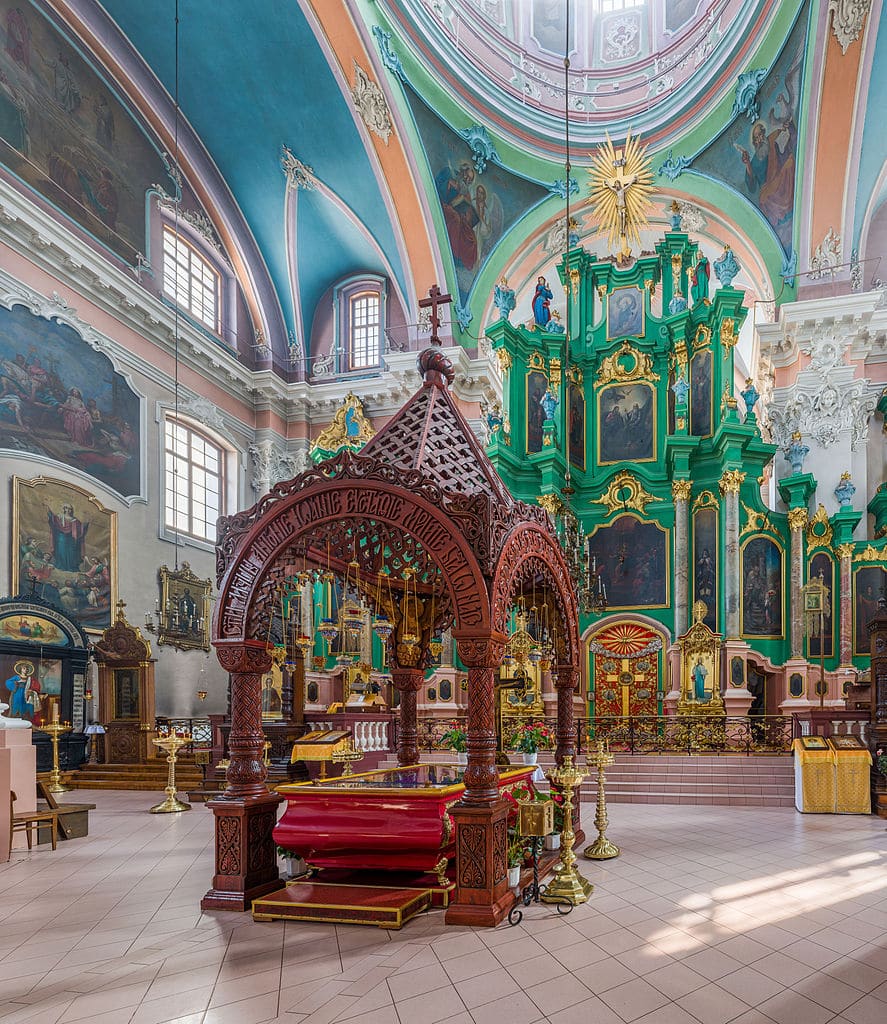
(482, 898)
(408, 681)
(246, 856)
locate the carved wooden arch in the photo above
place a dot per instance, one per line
(294, 516)
(531, 551)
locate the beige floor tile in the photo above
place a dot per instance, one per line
(516, 1008)
(558, 994)
(790, 1007)
(431, 1007)
(713, 1004)
(675, 980)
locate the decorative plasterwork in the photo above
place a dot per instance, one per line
(389, 57)
(746, 101)
(639, 366)
(672, 167)
(196, 218)
(692, 217)
(555, 241)
(349, 428)
(819, 529)
(826, 256)
(848, 17)
(706, 499)
(755, 521)
(203, 410)
(870, 554)
(483, 150)
(298, 175)
(271, 463)
(371, 104)
(625, 492)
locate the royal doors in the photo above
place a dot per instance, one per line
(625, 670)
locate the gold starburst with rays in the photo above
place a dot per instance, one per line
(621, 185)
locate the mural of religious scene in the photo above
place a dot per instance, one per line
(65, 134)
(480, 200)
(701, 393)
(31, 628)
(822, 642)
(537, 385)
(632, 557)
(705, 563)
(577, 426)
(868, 583)
(27, 684)
(761, 588)
(757, 157)
(61, 399)
(625, 313)
(65, 541)
(626, 418)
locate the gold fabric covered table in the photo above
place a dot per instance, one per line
(815, 786)
(853, 790)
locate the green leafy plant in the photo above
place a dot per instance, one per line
(881, 761)
(456, 739)
(531, 737)
(517, 848)
(282, 851)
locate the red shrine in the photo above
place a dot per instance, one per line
(423, 494)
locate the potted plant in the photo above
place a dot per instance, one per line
(553, 841)
(531, 737)
(295, 866)
(516, 850)
(457, 740)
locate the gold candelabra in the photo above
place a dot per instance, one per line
(347, 756)
(55, 729)
(171, 743)
(568, 884)
(601, 848)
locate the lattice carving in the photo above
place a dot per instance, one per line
(262, 852)
(472, 862)
(227, 845)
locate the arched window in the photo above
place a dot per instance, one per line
(194, 481)
(359, 304)
(190, 280)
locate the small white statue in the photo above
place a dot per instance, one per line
(11, 723)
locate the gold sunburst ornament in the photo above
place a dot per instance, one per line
(621, 185)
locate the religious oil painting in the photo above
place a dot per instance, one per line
(126, 693)
(32, 629)
(184, 609)
(65, 540)
(625, 313)
(30, 685)
(699, 677)
(272, 693)
(65, 133)
(761, 597)
(626, 418)
(62, 400)
(821, 629)
(705, 563)
(577, 426)
(632, 558)
(868, 583)
(479, 200)
(756, 155)
(537, 385)
(701, 393)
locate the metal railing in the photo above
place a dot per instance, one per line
(648, 734)
(199, 729)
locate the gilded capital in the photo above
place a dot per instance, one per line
(797, 519)
(504, 357)
(680, 489)
(844, 550)
(731, 480)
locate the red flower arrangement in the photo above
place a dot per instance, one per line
(531, 737)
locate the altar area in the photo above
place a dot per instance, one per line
(417, 531)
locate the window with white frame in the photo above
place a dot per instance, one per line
(190, 280)
(194, 481)
(364, 328)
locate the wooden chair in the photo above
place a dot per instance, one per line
(27, 820)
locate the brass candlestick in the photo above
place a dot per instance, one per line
(55, 729)
(601, 848)
(568, 884)
(346, 757)
(171, 743)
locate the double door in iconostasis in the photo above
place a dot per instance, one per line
(625, 670)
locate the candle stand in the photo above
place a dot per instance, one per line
(55, 729)
(171, 743)
(568, 884)
(601, 848)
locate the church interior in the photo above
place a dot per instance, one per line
(443, 572)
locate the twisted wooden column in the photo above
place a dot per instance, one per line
(565, 684)
(483, 657)
(408, 681)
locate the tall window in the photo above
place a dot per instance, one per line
(364, 327)
(190, 280)
(194, 481)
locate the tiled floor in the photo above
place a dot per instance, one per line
(710, 915)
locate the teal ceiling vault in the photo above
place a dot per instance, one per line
(252, 77)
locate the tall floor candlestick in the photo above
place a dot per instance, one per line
(171, 744)
(55, 729)
(568, 884)
(601, 848)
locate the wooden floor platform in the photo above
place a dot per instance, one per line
(338, 903)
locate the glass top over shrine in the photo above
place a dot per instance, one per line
(419, 778)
